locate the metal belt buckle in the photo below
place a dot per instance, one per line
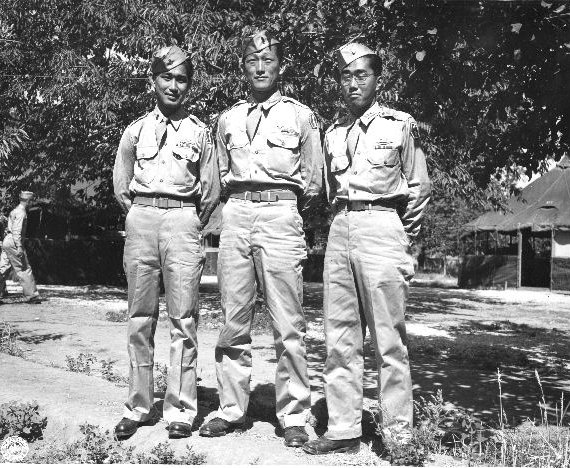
(267, 196)
(255, 197)
(162, 202)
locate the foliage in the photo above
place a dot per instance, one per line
(81, 364)
(8, 341)
(486, 80)
(21, 419)
(163, 454)
(117, 315)
(160, 377)
(108, 372)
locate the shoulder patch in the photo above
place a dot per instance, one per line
(414, 130)
(313, 121)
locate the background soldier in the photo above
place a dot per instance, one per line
(13, 252)
(163, 172)
(269, 154)
(379, 187)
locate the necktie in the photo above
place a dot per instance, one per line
(352, 135)
(160, 131)
(252, 121)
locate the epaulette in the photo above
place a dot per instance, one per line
(138, 119)
(340, 121)
(395, 114)
(197, 121)
(239, 103)
(294, 101)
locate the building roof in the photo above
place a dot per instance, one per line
(541, 206)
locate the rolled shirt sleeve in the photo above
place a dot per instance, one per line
(414, 168)
(123, 170)
(311, 162)
(209, 178)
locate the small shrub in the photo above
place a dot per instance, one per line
(8, 341)
(160, 377)
(108, 372)
(94, 447)
(117, 315)
(21, 419)
(162, 454)
(81, 364)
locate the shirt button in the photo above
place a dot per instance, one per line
(163, 162)
(354, 191)
(162, 180)
(256, 151)
(356, 172)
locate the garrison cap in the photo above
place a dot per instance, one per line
(167, 58)
(258, 41)
(350, 52)
(25, 195)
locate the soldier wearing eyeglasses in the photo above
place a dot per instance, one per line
(378, 186)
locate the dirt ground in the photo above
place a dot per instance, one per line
(458, 338)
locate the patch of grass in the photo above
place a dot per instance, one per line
(117, 315)
(81, 364)
(487, 356)
(163, 454)
(9, 341)
(160, 377)
(21, 419)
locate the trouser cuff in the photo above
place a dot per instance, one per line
(137, 415)
(342, 434)
(298, 419)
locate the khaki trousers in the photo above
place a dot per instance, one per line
(262, 243)
(366, 274)
(11, 258)
(163, 241)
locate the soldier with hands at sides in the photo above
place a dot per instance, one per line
(165, 180)
(270, 161)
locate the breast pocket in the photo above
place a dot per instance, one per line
(237, 146)
(388, 157)
(145, 167)
(283, 155)
(184, 168)
(384, 172)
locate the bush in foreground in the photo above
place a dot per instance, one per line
(21, 419)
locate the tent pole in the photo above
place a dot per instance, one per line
(551, 256)
(519, 257)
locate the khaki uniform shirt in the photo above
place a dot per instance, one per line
(17, 222)
(183, 167)
(285, 151)
(382, 161)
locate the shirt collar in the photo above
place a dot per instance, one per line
(369, 115)
(175, 119)
(268, 103)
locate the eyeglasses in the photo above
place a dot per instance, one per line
(346, 78)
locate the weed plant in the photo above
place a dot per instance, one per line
(108, 372)
(160, 377)
(81, 364)
(21, 419)
(117, 315)
(8, 341)
(162, 454)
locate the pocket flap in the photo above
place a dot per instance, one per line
(383, 157)
(146, 152)
(238, 140)
(284, 140)
(339, 163)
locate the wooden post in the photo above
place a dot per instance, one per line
(519, 257)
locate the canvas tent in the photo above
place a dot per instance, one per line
(505, 242)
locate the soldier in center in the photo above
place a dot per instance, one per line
(270, 161)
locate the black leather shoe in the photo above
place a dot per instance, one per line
(322, 446)
(34, 300)
(126, 428)
(295, 436)
(179, 430)
(217, 427)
